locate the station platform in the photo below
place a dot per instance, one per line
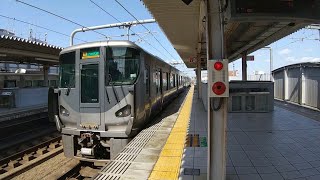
(14, 113)
(276, 145)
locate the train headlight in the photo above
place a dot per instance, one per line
(64, 111)
(124, 112)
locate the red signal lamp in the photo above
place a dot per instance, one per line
(218, 66)
(218, 88)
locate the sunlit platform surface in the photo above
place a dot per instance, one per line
(277, 145)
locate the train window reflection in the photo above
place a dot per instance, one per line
(90, 83)
(122, 65)
(67, 70)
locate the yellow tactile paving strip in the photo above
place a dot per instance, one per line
(168, 164)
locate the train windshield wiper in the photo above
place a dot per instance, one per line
(113, 89)
(106, 83)
(68, 90)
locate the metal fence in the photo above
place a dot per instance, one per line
(298, 83)
(259, 77)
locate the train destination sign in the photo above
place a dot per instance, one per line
(90, 53)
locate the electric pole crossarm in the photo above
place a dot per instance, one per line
(123, 24)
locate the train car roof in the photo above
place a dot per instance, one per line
(125, 43)
(99, 44)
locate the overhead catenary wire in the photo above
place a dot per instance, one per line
(25, 22)
(61, 17)
(121, 22)
(145, 28)
(296, 40)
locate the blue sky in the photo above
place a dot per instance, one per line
(286, 51)
(301, 46)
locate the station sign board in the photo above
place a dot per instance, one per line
(255, 10)
(250, 58)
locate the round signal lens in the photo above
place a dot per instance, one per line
(218, 66)
(218, 88)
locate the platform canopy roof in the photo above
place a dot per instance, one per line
(20, 50)
(185, 26)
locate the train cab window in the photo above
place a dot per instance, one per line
(122, 65)
(67, 70)
(90, 83)
(164, 81)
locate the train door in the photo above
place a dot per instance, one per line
(91, 101)
(177, 82)
(161, 82)
(157, 79)
(148, 90)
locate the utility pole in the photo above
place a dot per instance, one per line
(271, 60)
(217, 117)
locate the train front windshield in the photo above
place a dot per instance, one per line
(67, 70)
(122, 65)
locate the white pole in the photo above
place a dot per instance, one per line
(130, 23)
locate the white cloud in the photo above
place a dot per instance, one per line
(309, 50)
(285, 51)
(303, 59)
(310, 59)
(291, 59)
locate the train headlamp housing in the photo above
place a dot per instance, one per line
(64, 111)
(124, 112)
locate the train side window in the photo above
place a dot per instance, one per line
(164, 81)
(147, 80)
(171, 81)
(168, 81)
(37, 83)
(53, 83)
(174, 80)
(178, 80)
(157, 78)
(28, 83)
(160, 80)
(10, 83)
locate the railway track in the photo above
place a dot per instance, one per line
(81, 170)
(11, 127)
(25, 160)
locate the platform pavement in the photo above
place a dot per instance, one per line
(268, 146)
